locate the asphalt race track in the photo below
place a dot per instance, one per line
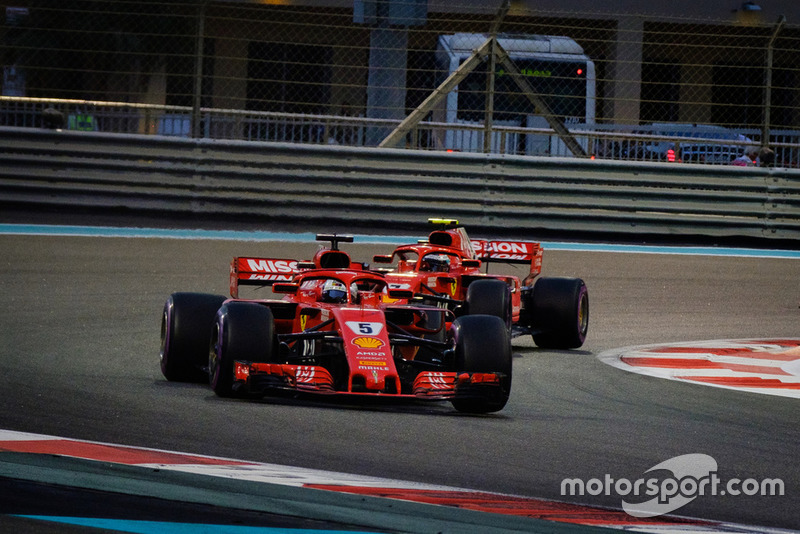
(80, 323)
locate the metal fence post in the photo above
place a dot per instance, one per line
(768, 82)
(198, 69)
(490, 74)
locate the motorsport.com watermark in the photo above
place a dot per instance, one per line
(693, 475)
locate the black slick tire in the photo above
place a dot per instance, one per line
(185, 333)
(243, 331)
(489, 297)
(483, 345)
(560, 313)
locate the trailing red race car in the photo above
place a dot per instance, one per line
(445, 270)
(333, 333)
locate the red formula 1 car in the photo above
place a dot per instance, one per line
(333, 333)
(445, 270)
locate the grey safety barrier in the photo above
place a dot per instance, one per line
(363, 188)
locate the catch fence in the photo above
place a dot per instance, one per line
(643, 85)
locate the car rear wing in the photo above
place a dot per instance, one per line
(526, 252)
(261, 272)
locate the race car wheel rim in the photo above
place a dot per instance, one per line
(583, 312)
(213, 357)
(164, 334)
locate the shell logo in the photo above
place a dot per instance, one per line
(368, 342)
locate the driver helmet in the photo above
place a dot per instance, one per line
(436, 263)
(334, 291)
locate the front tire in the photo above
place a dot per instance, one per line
(243, 331)
(185, 333)
(483, 345)
(560, 313)
(490, 297)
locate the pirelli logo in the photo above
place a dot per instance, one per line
(372, 363)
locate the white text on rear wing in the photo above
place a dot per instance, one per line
(527, 252)
(260, 272)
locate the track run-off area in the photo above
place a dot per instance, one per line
(81, 314)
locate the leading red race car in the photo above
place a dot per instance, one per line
(445, 270)
(333, 333)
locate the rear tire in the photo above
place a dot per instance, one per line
(560, 313)
(483, 345)
(185, 333)
(243, 331)
(490, 297)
